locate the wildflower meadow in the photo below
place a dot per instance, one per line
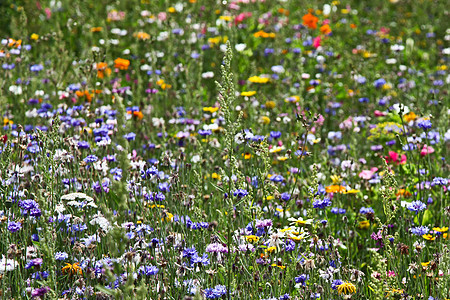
(235, 149)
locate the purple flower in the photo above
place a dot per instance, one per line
(40, 291)
(91, 158)
(61, 255)
(240, 193)
(416, 206)
(420, 230)
(424, 124)
(14, 226)
(322, 203)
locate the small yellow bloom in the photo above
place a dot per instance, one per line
(72, 269)
(265, 120)
(210, 109)
(252, 238)
(248, 94)
(34, 36)
(271, 249)
(364, 224)
(443, 229)
(225, 18)
(429, 237)
(257, 79)
(281, 267)
(336, 179)
(410, 117)
(172, 10)
(346, 288)
(270, 104)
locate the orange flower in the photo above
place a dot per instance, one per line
(96, 29)
(121, 63)
(84, 93)
(335, 189)
(102, 70)
(325, 29)
(72, 269)
(138, 114)
(142, 35)
(310, 21)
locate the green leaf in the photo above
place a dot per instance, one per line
(427, 217)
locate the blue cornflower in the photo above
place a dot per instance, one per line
(61, 255)
(240, 193)
(420, 230)
(336, 283)
(365, 210)
(275, 134)
(424, 124)
(148, 270)
(91, 158)
(322, 203)
(302, 279)
(416, 206)
(205, 132)
(130, 136)
(285, 196)
(14, 226)
(379, 83)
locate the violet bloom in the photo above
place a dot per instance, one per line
(14, 226)
(416, 206)
(40, 291)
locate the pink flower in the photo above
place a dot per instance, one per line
(316, 42)
(393, 157)
(378, 113)
(162, 16)
(367, 174)
(426, 150)
(391, 274)
(320, 120)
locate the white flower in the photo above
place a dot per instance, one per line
(7, 264)
(240, 47)
(239, 138)
(100, 220)
(73, 196)
(208, 75)
(195, 159)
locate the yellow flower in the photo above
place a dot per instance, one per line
(72, 269)
(225, 18)
(346, 288)
(271, 249)
(172, 10)
(247, 155)
(410, 117)
(142, 35)
(215, 176)
(248, 94)
(429, 237)
(281, 267)
(336, 179)
(443, 229)
(210, 109)
(34, 36)
(424, 264)
(168, 217)
(252, 238)
(364, 224)
(270, 104)
(265, 120)
(257, 79)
